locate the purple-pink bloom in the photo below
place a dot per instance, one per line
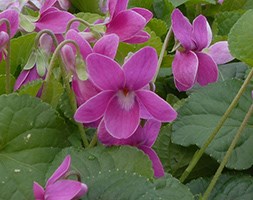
(124, 99)
(128, 24)
(13, 17)
(220, 1)
(194, 61)
(143, 138)
(58, 187)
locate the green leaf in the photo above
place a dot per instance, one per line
(158, 26)
(229, 5)
(109, 171)
(89, 17)
(228, 186)
(240, 38)
(177, 3)
(31, 134)
(140, 3)
(225, 21)
(163, 10)
(54, 92)
(200, 114)
(232, 70)
(21, 48)
(2, 83)
(31, 88)
(91, 6)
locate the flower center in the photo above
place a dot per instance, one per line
(126, 99)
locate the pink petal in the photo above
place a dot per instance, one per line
(207, 70)
(156, 163)
(181, 87)
(4, 38)
(65, 190)
(46, 43)
(83, 90)
(115, 6)
(38, 191)
(54, 20)
(144, 13)
(140, 37)
(202, 33)
(156, 106)
(185, 67)
(151, 130)
(107, 45)
(13, 17)
(121, 121)
(104, 72)
(94, 108)
(84, 45)
(182, 29)
(68, 58)
(140, 68)
(220, 52)
(60, 171)
(126, 24)
(47, 4)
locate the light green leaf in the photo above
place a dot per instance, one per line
(240, 38)
(236, 70)
(158, 26)
(31, 88)
(31, 134)
(2, 83)
(200, 114)
(91, 6)
(21, 48)
(229, 5)
(89, 17)
(229, 186)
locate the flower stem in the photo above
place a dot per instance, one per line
(228, 154)
(77, 20)
(200, 152)
(94, 140)
(46, 31)
(164, 47)
(66, 83)
(7, 60)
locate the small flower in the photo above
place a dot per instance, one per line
(143, 138)
(59, 187)
(220, 1)
(123, 99)
(194, 61)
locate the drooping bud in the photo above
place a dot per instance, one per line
(4, 37)
(68, 57)
(46, 43)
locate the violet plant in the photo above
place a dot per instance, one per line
(82, 85)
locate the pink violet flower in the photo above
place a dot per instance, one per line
(128, 24)
(143, 138)
(195, 62)
(12, 16)
(124, 99)
(58, 187)
(220, 1)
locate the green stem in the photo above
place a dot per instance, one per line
(46, 31)
(94, 140)
(66, 83)
(200, 152)
(164, 47)
(228, 154)
(77, 20)
(7, 60)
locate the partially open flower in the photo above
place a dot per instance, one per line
(58, 187)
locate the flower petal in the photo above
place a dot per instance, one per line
(185, 67)
(156, 106)
(140, 37)
(151, 130)
(104, 72)
(65, 190)
(115, 6)
(84, 45)
(60, 171)
(220, 52)
(94, 108)
(207, 70)
(121, 122)
(13, 17)
(140, 68)
(38, 191)
(54, 20)
(202, 33)
(182, 29)
(181, 87)
(144, 13)
(156, 163)
(4, 38)
(126, 24)
(47, 4)
(107, 45)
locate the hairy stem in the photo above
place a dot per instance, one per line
(228, 154)
(200, 152)
(77, 20)
(164, 47)
(48, 32)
